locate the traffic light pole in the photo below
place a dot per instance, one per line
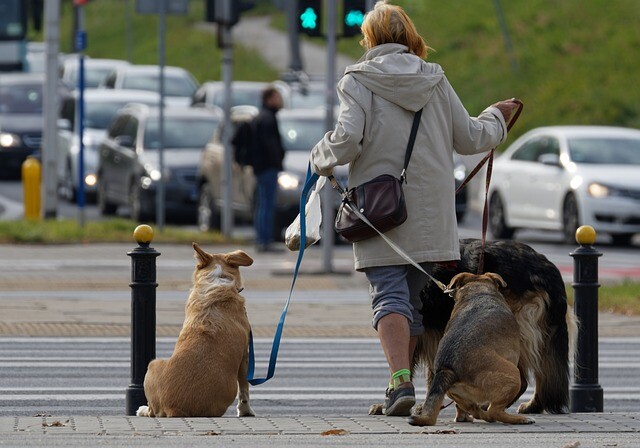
(328, 212)
(227, 173)
(294, 41)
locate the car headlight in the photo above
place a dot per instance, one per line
(90, 180)
(288, 181)
(155, 175)
(9, 140)
(597, 190)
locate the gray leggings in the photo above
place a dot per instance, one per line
(396, 289)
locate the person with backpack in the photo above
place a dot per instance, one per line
(265, 153)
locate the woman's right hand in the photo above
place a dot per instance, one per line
(507, 107)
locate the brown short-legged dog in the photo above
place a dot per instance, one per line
(476, 363)
(210, 360)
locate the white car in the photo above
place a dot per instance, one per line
(562, 177)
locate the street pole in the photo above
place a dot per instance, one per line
(328, 212)
(80, 45)
(161, 53)
(294, 40)
(50, 141)
(506, 36)
(227, 173)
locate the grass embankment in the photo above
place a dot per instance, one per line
(68, 231)
(621, 298)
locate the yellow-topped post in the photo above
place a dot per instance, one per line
(586, 394)
(143, 315)
(31, 175)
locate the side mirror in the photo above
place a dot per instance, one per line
(549, 159)
(124, 140)
(64, 124)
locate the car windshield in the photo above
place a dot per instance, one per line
(180, 133)
(301, 134)
(173, 85)
(240, 98)
(92, 76)
(605, 150)
(21, 99)
(99, 114)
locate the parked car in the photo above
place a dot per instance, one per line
(100, 107)
(179, 84)
(300, 131)
(561, 177)
(244, 93)
(129, 168)
(21, 120)
(95, 70)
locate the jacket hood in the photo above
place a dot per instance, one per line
(393, 73)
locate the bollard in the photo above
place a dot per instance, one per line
(31, 171)
(143, 315)
(586, 394)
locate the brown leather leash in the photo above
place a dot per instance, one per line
(488, 158)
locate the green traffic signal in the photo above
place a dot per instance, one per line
(353, 18)
(309, 19)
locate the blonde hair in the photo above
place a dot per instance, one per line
(390, 24)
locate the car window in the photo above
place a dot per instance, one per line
(173, 85)
(301, 134)
(603, 150)
(99, 114)
(131, 128)
(533, 149)
(180, 133)
(67, 111)
(21, 99)
(117, 127)
(239, 98)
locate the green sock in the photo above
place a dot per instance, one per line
(399, 377)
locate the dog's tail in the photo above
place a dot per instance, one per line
(442, 381)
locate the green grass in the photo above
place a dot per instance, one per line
(68, 231)
(190, 42)
(621, 298)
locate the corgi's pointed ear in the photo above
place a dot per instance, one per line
(497, 279)
(459, 280)
(203, 258)
(238, 258)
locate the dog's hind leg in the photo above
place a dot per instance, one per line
(244, 407)
(500, 388)
(428, 416)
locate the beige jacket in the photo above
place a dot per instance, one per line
(378, 98)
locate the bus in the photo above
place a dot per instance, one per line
(13, 35)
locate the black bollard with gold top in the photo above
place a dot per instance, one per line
(143, 315)
(586, 394)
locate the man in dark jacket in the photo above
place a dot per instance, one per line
(267, 163)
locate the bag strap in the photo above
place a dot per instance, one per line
(309, 183)
(412, 140)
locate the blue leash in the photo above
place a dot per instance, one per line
(309, 183)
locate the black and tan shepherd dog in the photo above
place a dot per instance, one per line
(536, 294)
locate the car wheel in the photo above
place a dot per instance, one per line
(68, 187)
(208, 216)
(135, 203)
(621, 239)
(497, 223)
(106, 207)
(570, 219)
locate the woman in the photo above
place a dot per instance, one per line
(378, 98)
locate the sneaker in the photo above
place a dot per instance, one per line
(398, 402)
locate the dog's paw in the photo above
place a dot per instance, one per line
(417, 408)
(143, 411)
(463, 418)
(244, 410)
(529, 408)
(528, 420)
(376, 409)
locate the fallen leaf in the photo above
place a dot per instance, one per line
(211, 433)
(335, 432)
(56, 423)
(42, 415)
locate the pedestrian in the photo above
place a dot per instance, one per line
(379, 96)
(266, 160)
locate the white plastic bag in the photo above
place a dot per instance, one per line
(313, 213)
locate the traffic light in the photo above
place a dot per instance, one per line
(310, 17)
(226, 12)
(353, 15)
